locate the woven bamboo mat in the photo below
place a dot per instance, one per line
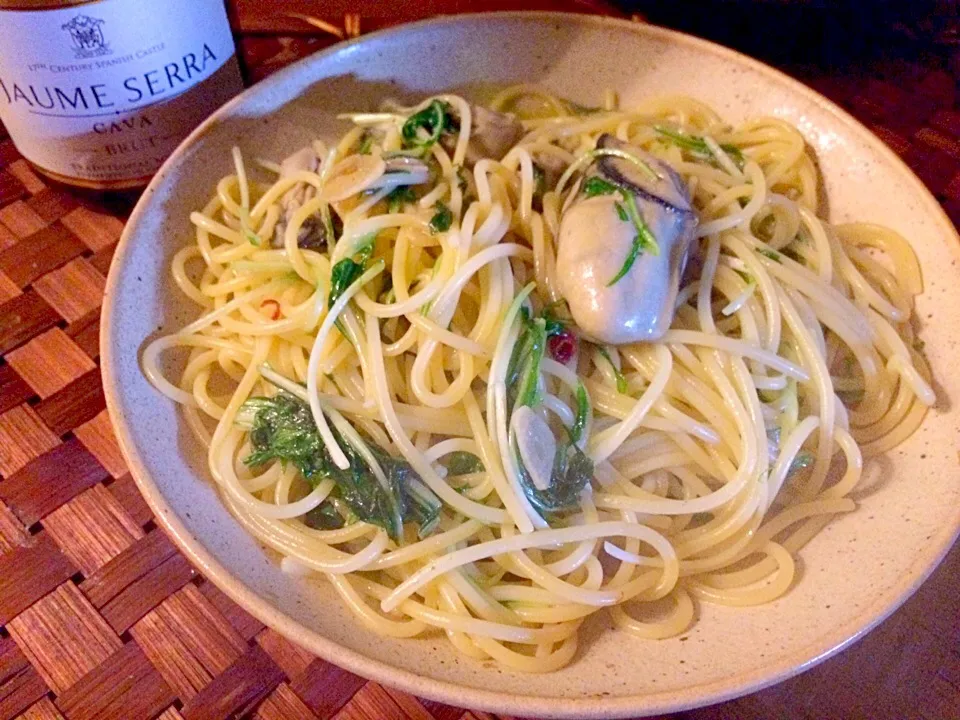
(102, 618)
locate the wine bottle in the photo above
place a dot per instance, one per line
(98, 93)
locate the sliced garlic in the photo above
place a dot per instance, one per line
(536, 443)
(352, 175)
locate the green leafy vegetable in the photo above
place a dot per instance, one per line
(583, 412)
(644, 241)
(347, 271)
(553, 326)
(745, 276)
(423, 129)
(442, 219)
(632, 255)
(461, 462)
(324, 517)
(556, 315)
(572, 471)
(398, 196)
(344, 274)
(698, 147)
(282, 428)
(524, 371)
(770, 254)
(419, 504)
(595, 186)
(621, 380)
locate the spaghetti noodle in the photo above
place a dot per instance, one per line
(382, 332)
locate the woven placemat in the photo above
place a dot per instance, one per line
(101, 617)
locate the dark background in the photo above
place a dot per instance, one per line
(831, 34)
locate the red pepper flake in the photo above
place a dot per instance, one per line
(562, 346)
(276, 308)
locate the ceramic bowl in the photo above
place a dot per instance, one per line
(853, 574)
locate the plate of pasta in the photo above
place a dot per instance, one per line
(587, 370)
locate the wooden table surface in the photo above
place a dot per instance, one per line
(101, 617)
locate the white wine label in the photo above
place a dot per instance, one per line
(105, 91)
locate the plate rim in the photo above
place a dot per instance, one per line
(692, 696)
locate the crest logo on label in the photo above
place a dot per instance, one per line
(87, 35)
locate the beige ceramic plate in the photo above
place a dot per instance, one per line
(852, 575)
